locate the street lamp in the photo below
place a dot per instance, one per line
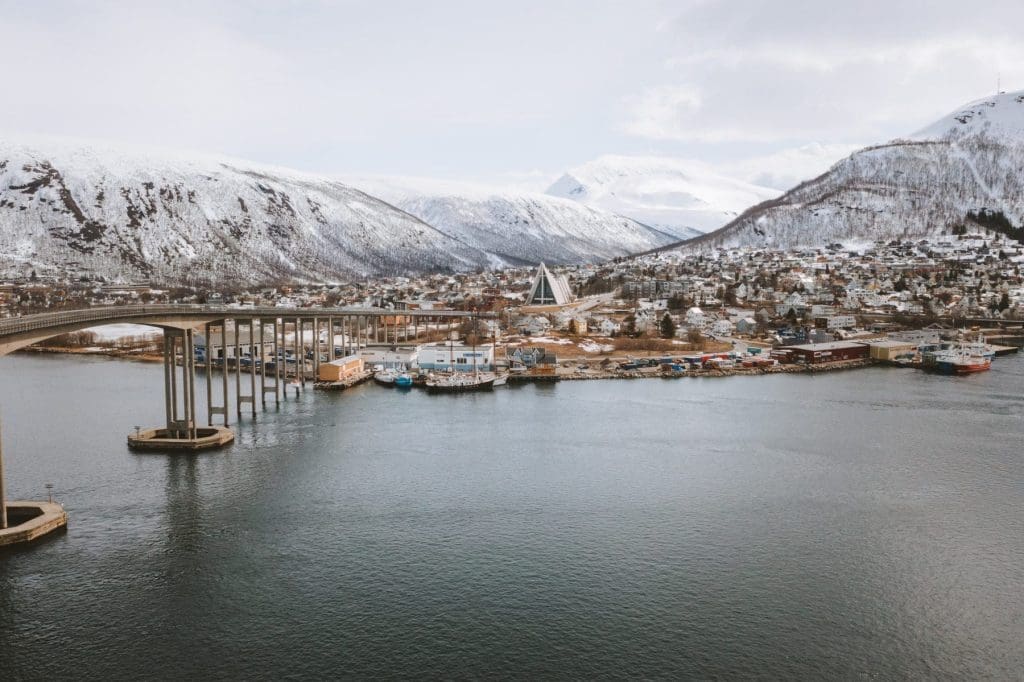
(49, 492)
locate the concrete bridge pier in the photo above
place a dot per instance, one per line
(240, 398)
(316, 349)
(181, 431)
(275, 347)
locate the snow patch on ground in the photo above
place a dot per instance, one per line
(115, 332)
(592, 347)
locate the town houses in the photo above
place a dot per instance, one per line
(821, 294)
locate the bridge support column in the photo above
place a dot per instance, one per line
(300, 353)
(316, 349)
(225, 397)
(278, 358)
(238, 370)
(221, 409)
(255, 352)
(265, 387)
(330, 339)
(190, 382)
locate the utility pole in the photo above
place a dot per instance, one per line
(3, 494)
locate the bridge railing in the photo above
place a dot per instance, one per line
(102, 314)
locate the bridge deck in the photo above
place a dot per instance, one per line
(15, 331)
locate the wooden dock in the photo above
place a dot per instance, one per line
(343, 384)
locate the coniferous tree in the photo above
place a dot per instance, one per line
(668, 327)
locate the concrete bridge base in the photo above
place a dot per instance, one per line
(206, 438)
(29, 521)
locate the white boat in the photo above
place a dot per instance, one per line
(460, 382)
(385, 377)
(501, 380)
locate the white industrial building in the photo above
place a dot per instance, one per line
(445, 357)
(391, 357)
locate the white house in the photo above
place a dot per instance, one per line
(604, 326)
(695, 318)
(746, 325)
(722, 328)
(533, 324)
(841, 322)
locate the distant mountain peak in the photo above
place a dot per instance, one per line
(72, 208)
(1001, 115)
(969, 160)
(518, 227)
(679, 196)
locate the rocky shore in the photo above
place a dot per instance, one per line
(656, 373)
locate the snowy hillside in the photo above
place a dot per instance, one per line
(970, 160)
(125, 214)
(683, 198)
(1000, 117)
(517, 227)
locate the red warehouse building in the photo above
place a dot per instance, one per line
(814, 353)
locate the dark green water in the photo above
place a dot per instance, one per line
(867, 524)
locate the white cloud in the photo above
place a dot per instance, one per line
(469, 90)
(789, 167)
(658, 112)
(791, 73)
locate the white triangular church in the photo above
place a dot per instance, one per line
(549, 289)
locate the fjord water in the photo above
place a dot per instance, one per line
(859, 524)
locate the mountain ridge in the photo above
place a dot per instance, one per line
(73, 208)
(924, 184)
(682, 197)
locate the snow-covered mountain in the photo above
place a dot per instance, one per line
(683, 198)
(74, 207)
(517, 227)
(970, 160)
(78, 208)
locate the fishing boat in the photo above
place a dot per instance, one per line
(501, 379)
(460, 383)
(962, 358)
(403, 380)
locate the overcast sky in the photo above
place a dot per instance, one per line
(502, 91)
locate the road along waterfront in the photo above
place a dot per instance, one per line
(843, 524)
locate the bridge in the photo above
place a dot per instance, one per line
(253, 342)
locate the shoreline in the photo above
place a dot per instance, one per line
(710, 373)
(138, 356)
(586, 375)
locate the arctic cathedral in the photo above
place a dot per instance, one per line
(549, 289)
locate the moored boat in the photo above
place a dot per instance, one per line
(460, 383)
(403, 380)
(962, 358)
(385, 377)
(960, 361)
